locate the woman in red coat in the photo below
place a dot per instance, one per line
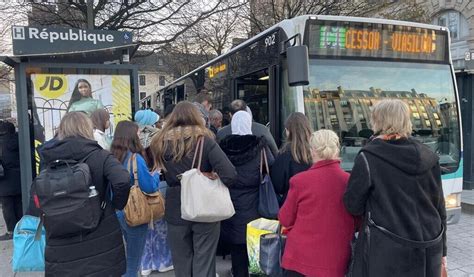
(319, 227)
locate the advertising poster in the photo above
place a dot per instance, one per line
(56, 94)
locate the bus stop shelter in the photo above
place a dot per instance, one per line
(49, 63)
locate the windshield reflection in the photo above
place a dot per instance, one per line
(341, 93)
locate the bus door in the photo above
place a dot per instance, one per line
(253, 89)
(259, 91)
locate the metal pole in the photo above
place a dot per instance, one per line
(90, 14)
(21, 92)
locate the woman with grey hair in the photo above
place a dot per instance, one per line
(395, 185)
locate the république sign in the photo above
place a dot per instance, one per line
(44, 40)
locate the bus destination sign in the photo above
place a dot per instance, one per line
(352, 39)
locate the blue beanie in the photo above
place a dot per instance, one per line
(146, 117)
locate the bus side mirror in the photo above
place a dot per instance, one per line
(298, 65)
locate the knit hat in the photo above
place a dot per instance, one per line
(146, 117)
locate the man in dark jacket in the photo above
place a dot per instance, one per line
(10, 185)
(258, 129)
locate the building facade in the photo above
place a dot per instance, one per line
(153, 75)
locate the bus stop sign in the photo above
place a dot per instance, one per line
(38, 40)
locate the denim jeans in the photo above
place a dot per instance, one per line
(135, 238)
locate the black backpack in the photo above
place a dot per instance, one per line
(61, 191)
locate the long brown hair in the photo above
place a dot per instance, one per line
(299, 136)
(126, 139)
(179, 135)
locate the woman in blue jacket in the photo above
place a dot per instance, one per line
(126, 143)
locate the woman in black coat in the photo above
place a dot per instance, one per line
(10, 185)
(396, 185)
(244, 151)
(294, 156)
(100, 252)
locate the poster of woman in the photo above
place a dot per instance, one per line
(56, 94)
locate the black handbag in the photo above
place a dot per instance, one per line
(268, 206)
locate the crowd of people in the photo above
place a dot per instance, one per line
(386, 218)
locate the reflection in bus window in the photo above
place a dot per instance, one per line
(341, 93)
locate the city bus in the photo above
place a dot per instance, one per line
(353, 63)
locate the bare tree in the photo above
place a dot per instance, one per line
(154, 23)
(264, 13)
(215, 34)
(407, 11)
(183, 56)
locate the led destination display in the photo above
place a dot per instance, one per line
(376, 41)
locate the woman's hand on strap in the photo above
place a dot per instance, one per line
(211, 175)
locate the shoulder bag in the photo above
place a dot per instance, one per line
(268, 206)
(203, 199)
(142, 207)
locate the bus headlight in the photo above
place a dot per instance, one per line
(453, 200)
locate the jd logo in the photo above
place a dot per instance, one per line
(51, 86)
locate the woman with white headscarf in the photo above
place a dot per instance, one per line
(244, 151)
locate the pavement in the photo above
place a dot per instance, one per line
(467, 201)
(460, 252)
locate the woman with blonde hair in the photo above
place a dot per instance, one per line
(295, 154)
(396, 185)
(320, 228)
(193, 244)
(83, 254)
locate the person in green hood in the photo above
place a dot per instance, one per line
(81, 99)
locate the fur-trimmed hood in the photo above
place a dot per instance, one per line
(241, 149)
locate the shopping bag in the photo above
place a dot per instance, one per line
(29, 241)
(271, 252)
(255, 229)
(203, 199)
(268, 206)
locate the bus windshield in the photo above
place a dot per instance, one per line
(341, 92)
